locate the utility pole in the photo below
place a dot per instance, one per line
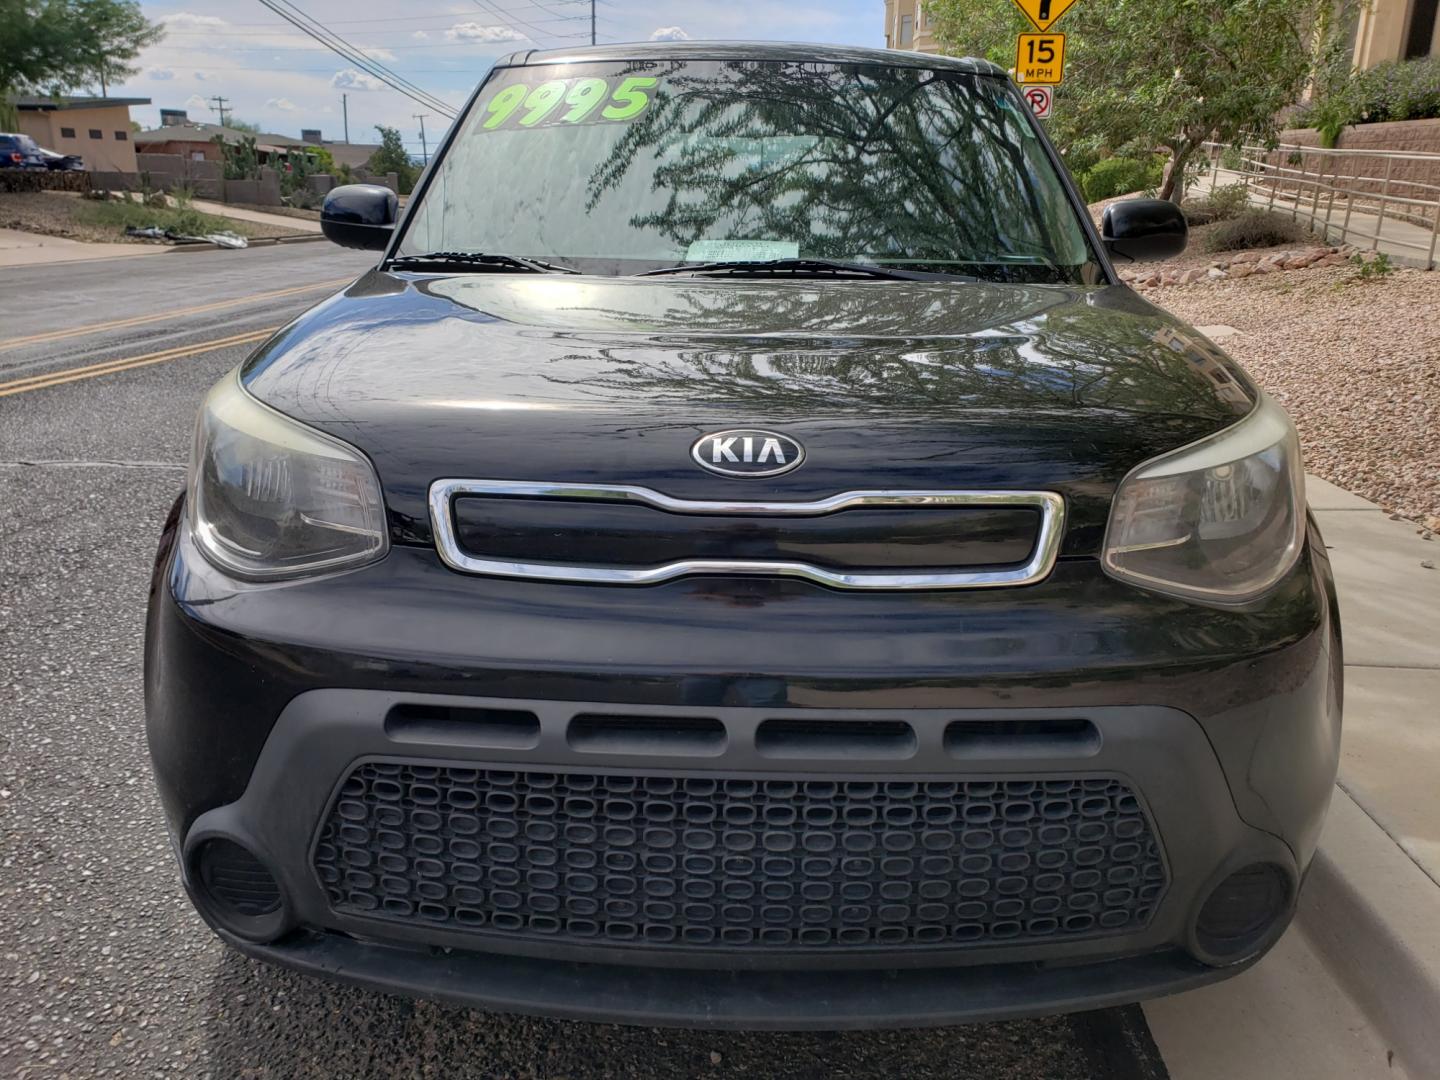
(345, 110)
(424, 150)
(592, 22)
(221, 106)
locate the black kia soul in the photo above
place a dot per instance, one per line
(742, 559)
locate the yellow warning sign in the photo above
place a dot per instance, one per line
(1040, 58)
(1044, 13)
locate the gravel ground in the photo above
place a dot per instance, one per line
(1356, 363)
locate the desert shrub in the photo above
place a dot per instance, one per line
(182, 195)
(1254, 229)
(1377, 266)
(1120, 176)
(1225, 202)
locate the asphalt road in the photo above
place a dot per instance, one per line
(106, 969)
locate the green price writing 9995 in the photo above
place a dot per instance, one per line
(567, 101)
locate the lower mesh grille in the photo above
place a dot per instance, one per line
(739, 863)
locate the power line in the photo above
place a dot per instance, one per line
(515, 22)
(338, 45)
(432, 26)
(335, 42)
(310, 48)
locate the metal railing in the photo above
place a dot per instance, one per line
(1344, 194)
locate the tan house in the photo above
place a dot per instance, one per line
(96, 128)
(195, 141)
(908, 26)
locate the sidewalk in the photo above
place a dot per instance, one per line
(33, 249)
(1390, 613)
(1406, 244)
(1354, 987)
(240, 213)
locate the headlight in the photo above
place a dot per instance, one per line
(1220, 520)
(271, 498)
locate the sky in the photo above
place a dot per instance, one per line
(275, 76)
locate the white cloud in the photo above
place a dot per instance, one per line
(196, 103)
(669, 33)
(161, 74)
(378, 54)
(283, 104)
(186, 21)
(420, 35)
(473, 31)
(350, 79)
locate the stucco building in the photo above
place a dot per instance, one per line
(96, 128)
(908, 26)
(1396, 30)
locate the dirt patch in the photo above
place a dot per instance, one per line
(52, 213)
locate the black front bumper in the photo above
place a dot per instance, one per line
(1225, 726)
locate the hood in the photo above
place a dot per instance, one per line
(887, 384)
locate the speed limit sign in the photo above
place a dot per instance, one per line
(1040, 99)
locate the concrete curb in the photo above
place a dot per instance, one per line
(1373, 915)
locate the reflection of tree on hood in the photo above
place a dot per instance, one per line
(902, 163)
(1035, 351)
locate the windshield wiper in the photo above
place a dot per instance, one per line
(807, 266)
(471, 260)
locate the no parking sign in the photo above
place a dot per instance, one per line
(1040, 99)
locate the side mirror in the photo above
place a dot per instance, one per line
(1142, 230)
(359, 216)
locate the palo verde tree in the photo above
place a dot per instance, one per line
(1161, 74)
(51, 46)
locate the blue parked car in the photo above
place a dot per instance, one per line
(20, 152)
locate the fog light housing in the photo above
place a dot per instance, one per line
(1241, 914)
(236, 891)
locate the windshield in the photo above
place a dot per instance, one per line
(619, 168)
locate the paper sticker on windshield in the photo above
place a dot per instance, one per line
(566, 101)
(741, 250)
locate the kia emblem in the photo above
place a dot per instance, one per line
(747, 452)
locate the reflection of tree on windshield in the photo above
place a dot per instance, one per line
(886, 163)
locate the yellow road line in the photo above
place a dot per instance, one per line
(139, 320)
(110, 367)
